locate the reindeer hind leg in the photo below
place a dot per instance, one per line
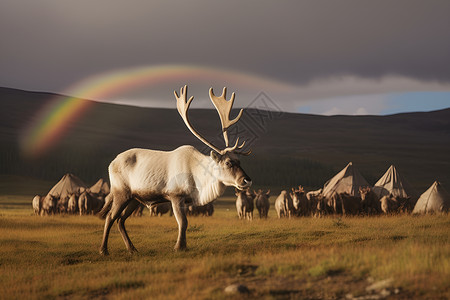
(130, 208)
(119, 202)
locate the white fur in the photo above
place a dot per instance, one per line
(184, 171)
(36, 204)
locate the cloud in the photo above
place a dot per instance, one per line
(362, 111)
(351, 105)
(347, 92)
(332, 112)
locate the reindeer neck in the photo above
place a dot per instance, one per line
(209, 187)
(211, 191)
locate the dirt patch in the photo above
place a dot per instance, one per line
(397, 237)
(69, 261)
(246, 270)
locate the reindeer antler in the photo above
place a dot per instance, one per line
(183, 106)
(223, 107)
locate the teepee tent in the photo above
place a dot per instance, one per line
(435, 199)
(392, 183)
(349, 180)
(69, 184)
(101, 187)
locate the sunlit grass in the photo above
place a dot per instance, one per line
(57, 257)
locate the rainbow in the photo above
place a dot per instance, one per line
(51, 124)
(53, 121)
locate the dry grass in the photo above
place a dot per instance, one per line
(56, 257)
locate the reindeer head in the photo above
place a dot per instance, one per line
(364, 191)
(243, 193)
(52, 202)
(296, 195)
(227, 165)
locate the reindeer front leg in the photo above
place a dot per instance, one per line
(180, 215)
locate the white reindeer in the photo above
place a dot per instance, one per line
(181, 176)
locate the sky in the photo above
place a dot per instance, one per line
(321, 57)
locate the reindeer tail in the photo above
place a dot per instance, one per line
(106, 207)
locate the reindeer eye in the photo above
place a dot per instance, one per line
(228, 164)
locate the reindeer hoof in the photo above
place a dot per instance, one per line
(104, 252)
(179, 247)
(133, 251)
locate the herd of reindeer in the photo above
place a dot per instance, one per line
(83, 202)
(298, 203)
(86, 202)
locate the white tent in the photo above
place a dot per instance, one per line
(101, 187)
(435, 199)
(349, 180)
(69, 184)
(392, 183)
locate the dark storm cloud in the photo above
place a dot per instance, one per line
(48, 45)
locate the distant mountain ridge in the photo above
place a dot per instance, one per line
(288, 149)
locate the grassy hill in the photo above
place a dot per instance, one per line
(288, 149)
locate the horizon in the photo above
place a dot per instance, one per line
(441, 104)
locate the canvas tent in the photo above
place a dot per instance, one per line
(100, 188)
(435, 199)
(349, 180)
(69, 184)
(392, 183)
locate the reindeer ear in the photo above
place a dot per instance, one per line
(268, 193)
(215, 156)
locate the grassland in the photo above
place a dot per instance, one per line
(308, 258)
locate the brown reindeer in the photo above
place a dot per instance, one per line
(406, 205)
(324, 206)
(89, 203)
(300, 204)
(313, 200)
(351, 205)
(389, 204)
(262, 203)
(370, 204)
(159, 209)
(204, 210)
(341, 204)
(244, 204)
